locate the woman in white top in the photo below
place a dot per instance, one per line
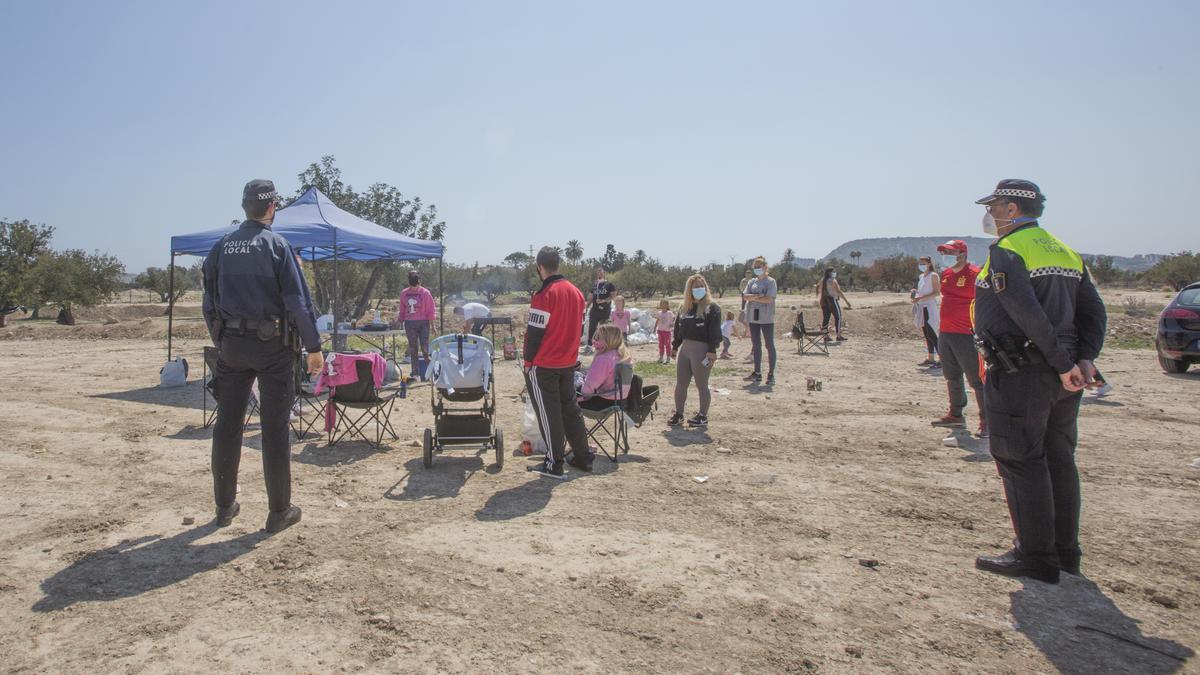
(925, 308)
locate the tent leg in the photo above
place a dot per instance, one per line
(336, 295)
(442, 300)
(170, 303)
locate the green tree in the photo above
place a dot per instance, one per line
(612, 260)
(496, 281)
(518, 259)
(635, 282)
(574, 251)
(381, 204)
(896, 273)
(1176, 271)
(74, 278)
(21, 244)
(156, 280)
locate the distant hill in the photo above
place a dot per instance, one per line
(977, 247)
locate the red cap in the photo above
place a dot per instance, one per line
(953, 245)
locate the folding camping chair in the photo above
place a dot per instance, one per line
(365, 399)
(309, 409)
(639, 403)
(209, 390)
(810, 341)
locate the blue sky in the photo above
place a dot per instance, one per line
(693, 130)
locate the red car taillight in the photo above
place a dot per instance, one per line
(1180, 313)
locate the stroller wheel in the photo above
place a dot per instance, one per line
(499, 448)
(428, 447)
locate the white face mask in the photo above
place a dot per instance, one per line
(699, 292)
(949, 260)
(989, 224)
(922, 267)
(833, 275)
(758, 271)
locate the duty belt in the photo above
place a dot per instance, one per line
(1009, 353)
(263, 329)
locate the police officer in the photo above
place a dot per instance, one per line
(257, 309)
(1039, 323)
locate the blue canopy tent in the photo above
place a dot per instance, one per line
(319, 230)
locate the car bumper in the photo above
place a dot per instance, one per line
(1179, 344)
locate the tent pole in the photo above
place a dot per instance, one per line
(170, 303)
(442, 298)
(336, 294)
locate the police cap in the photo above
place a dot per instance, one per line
(259, 190)
(1013, 187)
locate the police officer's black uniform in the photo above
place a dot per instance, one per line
(254, 299)
(1037, 314)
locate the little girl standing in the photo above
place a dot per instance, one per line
(664, 325)
(726, 333)
(620, 315)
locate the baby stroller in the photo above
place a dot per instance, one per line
(460, 368)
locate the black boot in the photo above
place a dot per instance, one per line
(226, 515)
(278, 522)
(1013, 564)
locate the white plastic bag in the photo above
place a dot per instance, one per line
(529, 428)
(174, 373)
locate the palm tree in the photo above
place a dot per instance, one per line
(855, 255)
(574, 251)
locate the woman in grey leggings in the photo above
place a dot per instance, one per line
(694, 345)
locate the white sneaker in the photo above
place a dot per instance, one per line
(1104, 390)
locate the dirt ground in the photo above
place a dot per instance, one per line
(835, 531)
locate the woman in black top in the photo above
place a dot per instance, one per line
(694, 347)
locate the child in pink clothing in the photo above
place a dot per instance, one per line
(599, 390)
(664, 325)
(620, 315)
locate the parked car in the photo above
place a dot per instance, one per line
(1178, 339)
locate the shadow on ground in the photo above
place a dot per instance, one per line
(1102, 402)
(445, 479)
(1081, 630)
(683, 437)
(319, 453)
(533, 495)
(137, 566)
(187, 396)
(978, 449)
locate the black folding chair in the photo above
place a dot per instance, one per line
(612, 421)
(369, 406)
(810, 341)
(309, 409)
(209, 391)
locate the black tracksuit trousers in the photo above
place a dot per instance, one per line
(1032, 421)
(241, 360)
(559, 420)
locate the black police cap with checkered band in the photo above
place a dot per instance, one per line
(1013, 187)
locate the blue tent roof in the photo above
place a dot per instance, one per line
(313, 224)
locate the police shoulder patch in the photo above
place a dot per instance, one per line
(998, 281)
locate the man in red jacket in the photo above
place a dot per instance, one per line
(551, 356)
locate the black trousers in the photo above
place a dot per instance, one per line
(931, 336)
(1032, 421)
(240, 360)
(831, 308)
(595, 318)
(553, 393)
